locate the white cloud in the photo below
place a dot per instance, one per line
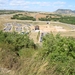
(59, 2)
(16, 3)
(24, 3)
(3, 2)
(31, 4)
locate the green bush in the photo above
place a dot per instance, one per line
(16, 41)
(23, 17)
(60, 18)
(60, 54)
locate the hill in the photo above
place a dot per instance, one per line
(64, 11)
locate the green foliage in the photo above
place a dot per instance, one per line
(59, 48)
(15, 41)
(55, 57)
(63, 19)
(26, 53)
(23, 17)
(60, 51)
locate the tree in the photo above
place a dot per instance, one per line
(16, 41)
(59, 48)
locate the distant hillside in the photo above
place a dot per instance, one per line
(65, 11)
(9, 11)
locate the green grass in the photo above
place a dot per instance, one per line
(26, 53)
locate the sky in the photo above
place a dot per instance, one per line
(37, 5)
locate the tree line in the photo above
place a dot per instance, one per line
(60, 18)
(23, 17)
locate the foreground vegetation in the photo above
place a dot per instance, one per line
(19, 54)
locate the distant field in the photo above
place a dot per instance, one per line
(70, 30)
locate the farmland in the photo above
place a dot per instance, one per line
(28, 26)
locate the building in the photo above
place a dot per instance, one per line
(37, 27)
